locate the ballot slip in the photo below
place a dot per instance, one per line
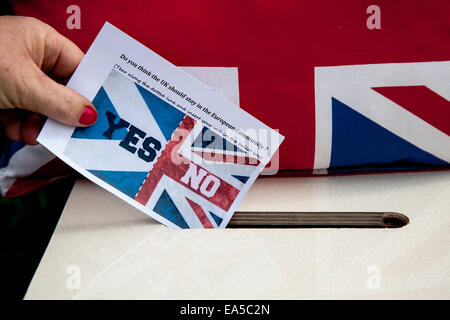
(164, 142)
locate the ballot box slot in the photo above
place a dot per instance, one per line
(275, 220)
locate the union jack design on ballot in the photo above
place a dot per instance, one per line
(180, 169)
(193, 184)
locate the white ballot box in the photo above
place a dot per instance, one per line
(103, 248)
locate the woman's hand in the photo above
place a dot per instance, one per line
(34, 62)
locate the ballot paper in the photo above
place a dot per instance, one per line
(164, 142)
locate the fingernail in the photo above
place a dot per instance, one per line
(89, 115)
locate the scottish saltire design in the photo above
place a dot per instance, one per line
(196, 178)
(117, 151)
(373, 115)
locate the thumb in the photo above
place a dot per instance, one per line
(56, 101)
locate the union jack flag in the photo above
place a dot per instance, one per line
(370, 116)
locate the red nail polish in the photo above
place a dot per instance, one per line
(89, 115)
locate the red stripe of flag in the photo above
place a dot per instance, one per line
(422, 102)
(200, 214)
(227, 158)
